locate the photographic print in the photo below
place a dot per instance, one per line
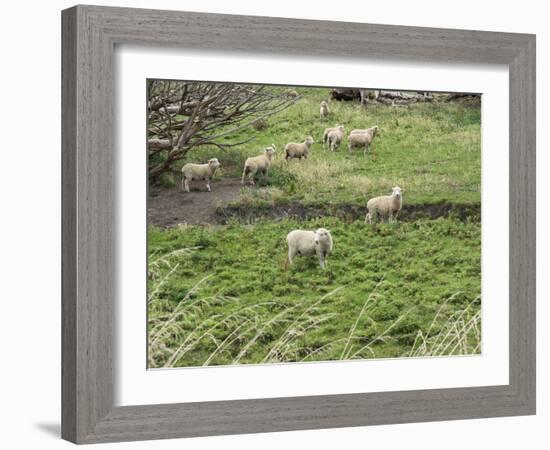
(290, 224)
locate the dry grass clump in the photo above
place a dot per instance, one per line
(460, 335)
(188, 326)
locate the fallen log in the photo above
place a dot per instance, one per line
(384, 97)
(345, 94)
(159, 144)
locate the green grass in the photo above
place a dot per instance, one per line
(222, 294)
(431, 150)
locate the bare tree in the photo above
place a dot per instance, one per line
(183, 115)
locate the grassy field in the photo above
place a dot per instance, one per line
(227, 297)
(222, 294)
(432, 150)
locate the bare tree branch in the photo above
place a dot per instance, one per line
(184, 115)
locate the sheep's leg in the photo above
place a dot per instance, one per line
(320, 256)
(373, 216)
(252, 174)
(186, 184)
(290, 255)
(368, 218)
(208, 185)
(244, 175)
(325, 260)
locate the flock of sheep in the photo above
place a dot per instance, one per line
(304, 242)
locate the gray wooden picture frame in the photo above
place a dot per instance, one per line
(90, 34)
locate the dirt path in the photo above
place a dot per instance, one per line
(169, 207)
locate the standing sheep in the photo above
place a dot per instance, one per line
(362, 138)
(199, 172)
(324, 110)
(309, 243)
(295, 150)
(335, 137)
(326, 133)
(385, 206)
(259, 163)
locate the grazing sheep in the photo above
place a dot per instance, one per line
(295, 150)
(309, 243)
(259, 163)
(362, 138)
(385, 206)
(291, 93)
(324, 110)
(199, 172)
(326, 133)
(335, 137)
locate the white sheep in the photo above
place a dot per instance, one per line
(362, 138)
(335, 137)
(309, 243)
(385, 206)
(199, 172)
(324, 110)
(326, 133)
(298, 150)
(258, 163)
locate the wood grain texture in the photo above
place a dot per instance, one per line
(89, 36)
(68, 226)
(522, 224)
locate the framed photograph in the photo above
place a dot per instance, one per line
(268, 230)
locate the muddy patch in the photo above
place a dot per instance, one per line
(169, 207)
(348, 213)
